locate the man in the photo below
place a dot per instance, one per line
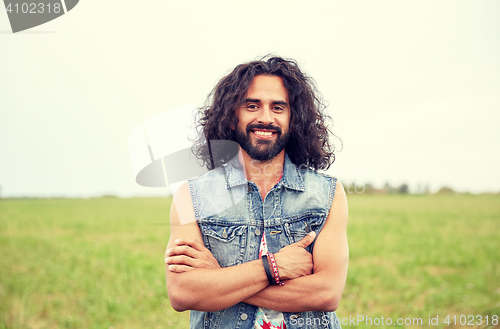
(260, 241)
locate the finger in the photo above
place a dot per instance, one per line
(182, 250)
(179, 268)
(190, 242)
(307, 240)
(180, 260)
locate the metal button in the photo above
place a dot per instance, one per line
(257, 231)
(244, 316)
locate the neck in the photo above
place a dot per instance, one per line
(265, 174)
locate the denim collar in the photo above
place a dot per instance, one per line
(291, 179)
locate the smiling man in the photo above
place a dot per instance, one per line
(268, 135)
(260, 241)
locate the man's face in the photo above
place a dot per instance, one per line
(263, 119)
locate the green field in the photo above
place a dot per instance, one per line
(98, 263)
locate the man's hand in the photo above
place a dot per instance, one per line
(294, 261)
(189, 254)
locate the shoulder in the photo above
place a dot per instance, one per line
(207, 178)
(309, 174)
(321, 184)
(181, 194)
(328, 186)
(211, 193)
(202, 184)
(339, 194)
(182, 211)
(339, 208)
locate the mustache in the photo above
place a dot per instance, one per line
(262, 126)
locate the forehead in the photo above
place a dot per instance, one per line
(268, 87)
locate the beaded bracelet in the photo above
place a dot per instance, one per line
(275, 270)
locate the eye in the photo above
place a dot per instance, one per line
(278, 108)
(252, 107)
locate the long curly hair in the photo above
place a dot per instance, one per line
(308, 145)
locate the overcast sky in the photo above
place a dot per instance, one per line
(413, 87)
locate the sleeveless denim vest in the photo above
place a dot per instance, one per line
(232, 218)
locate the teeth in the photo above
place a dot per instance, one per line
(263, 133)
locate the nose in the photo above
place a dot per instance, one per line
(266, 115)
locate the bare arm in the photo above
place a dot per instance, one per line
(323, 289)
(209, 287)
(205, 289)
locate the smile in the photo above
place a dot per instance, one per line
(263, 134)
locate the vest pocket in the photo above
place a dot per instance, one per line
(226, 242)
(300, 226)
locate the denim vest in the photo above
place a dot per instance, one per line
(232, 218)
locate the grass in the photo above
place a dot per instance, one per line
(420, 256)
(94, 263)
(98, 263)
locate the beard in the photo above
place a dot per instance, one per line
(264, 149)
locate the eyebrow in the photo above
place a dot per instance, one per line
(280, 103)
(256, 100)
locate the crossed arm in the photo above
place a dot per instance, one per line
(195, 280)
